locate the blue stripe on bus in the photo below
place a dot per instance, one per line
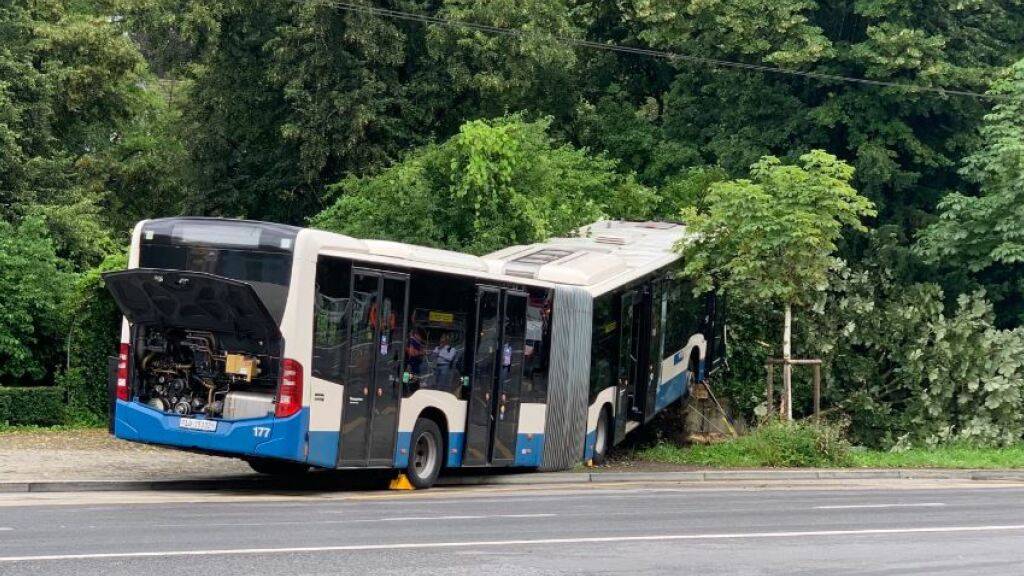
(265, 437)
(528, 449)
(454, 459)
(323, 448)
(589, 444)
(674, 388)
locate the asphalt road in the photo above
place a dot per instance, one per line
(628, 529)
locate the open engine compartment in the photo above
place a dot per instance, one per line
(189, 372)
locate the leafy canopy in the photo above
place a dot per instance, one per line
(495, 183)
(988, 229)
(33, 287)
(772, 237)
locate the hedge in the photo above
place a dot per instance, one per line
(41, 406)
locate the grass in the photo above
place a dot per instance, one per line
(773, 445)
(951, 456)
(776, 445)
(33, 429)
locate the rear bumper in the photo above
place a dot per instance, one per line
(269, 437)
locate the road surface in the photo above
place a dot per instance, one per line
(637, 529)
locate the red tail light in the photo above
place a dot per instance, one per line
(122, 371)
(289, 393)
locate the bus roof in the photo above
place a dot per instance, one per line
(597, 257)
(600, 256)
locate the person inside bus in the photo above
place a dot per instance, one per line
(444, 354)
(414, 353)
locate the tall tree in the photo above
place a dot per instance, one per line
(69, 84)
(772, 238)
(495, 183)
(985, 233)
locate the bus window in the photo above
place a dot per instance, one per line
(685, 312)
(330, 318)
(440, 304)
(437, 343)
(604, 348)
(257, 253)
(537, 346)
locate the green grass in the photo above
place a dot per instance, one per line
(773, 445)
(951, 456)
(777, 445)
(33, 429)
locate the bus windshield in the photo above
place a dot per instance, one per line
(257, 253)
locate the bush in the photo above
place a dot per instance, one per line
(42, 406)
(95, 333)
(773, 444)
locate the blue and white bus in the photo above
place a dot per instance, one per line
(295, 348)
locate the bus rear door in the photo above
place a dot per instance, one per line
(373, 375)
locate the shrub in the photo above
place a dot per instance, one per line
(41, 406)
(96, 330)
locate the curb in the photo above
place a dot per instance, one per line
(535, 478)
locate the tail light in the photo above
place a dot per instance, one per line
(289, 393)
(122, 371)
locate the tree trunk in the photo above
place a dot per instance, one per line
(787, 368)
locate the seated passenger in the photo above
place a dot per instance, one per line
(445, 356)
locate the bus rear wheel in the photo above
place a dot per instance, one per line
(425, 454)
(282, 468)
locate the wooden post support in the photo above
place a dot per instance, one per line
(817, 391)
(771, 385)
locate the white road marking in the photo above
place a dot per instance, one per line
(202, 524)
(5, 529)
(487, 543)
(856, 506)
(418, 518)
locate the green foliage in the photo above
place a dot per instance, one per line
(33, 286)
(984, 233)
(31, 406)
(492, 74)
(773, 444)
(771, 238)
(94, 334)
(496, 183)
(955, 455)
(904, 145)
(69, 83)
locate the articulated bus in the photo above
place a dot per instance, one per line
(295, 348)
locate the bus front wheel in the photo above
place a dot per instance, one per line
(426, 450)
(603, 437)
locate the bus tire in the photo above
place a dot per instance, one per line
(604, 436)
(426, 452)
(273, 467)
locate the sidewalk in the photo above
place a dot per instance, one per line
(91, 460)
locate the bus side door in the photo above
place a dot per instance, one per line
(496, 377)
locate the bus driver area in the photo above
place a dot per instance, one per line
(293, 347)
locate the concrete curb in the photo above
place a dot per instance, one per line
(535, 478)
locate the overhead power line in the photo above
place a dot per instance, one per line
(665, 55)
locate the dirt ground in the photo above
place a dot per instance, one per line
(93, 454)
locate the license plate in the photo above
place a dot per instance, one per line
(196, 424)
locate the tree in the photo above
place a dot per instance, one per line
(492, 74)
(70, 91)
(771, 238)
(495, 183)
(985, 233)
(33, 285)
